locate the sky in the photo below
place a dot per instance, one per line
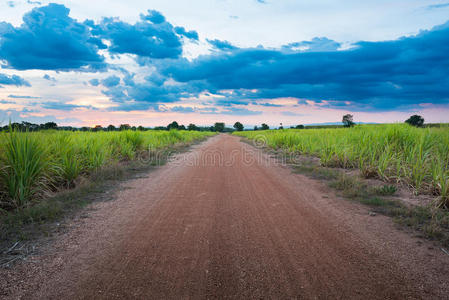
(87, 63)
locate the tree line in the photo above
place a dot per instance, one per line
(415, 120)
(348, 121)
(27, 126)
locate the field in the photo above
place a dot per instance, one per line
(399, 153)
(232, 227)
(34, 163)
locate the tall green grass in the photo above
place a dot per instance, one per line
(32, 163)
(418, 157)
(23, 168)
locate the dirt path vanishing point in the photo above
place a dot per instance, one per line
(222, 221)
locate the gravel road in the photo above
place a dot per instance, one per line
(225, 221)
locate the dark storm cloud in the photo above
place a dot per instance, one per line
(372, 75)
(49, 39)
(381, 75)
(151, 37)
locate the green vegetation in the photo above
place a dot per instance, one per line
(31, 221)
(429, 221)
(415, 120)
(46, 175)
(238, 126)
(35, 163)
(348, 121)
(262, 127)
(395, 153)
(433, 223)
(219, 127)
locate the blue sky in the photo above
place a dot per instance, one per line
(295, 62)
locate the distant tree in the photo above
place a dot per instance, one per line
(85, 128)
(281, 127)
(415, 120)
(348, 120)
(264, 127)
(111, 128)
(24, 126)
(299, 127)
(124, 127)
(256, 128)
(97, 128)
(173, 125)
(66, 128)
(228, 129)
(27, 126)
(140, 128)
(16, 126)
(182, 127)
(238, 126)
(219, 126)
(134, 128)
(49, 125)
(192, 127)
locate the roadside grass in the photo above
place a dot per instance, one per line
(35, 163)
(29, 222)
(26, 224)
(394, 153)
(428, 221)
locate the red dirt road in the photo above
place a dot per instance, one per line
(223, 222)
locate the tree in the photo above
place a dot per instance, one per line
(415, 120)
(264, 127)
(299, 127)
(256, 128)
(97, 128)
(125, 127)
(111, 128)
(192, 127)
(219, 126)
(348, 120)
(140, 128)
(173, 125)
(281, 127)
(182, 127)
(49, 125)
(238, 126)
(27, 126)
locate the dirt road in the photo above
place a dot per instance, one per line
(222, 221)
